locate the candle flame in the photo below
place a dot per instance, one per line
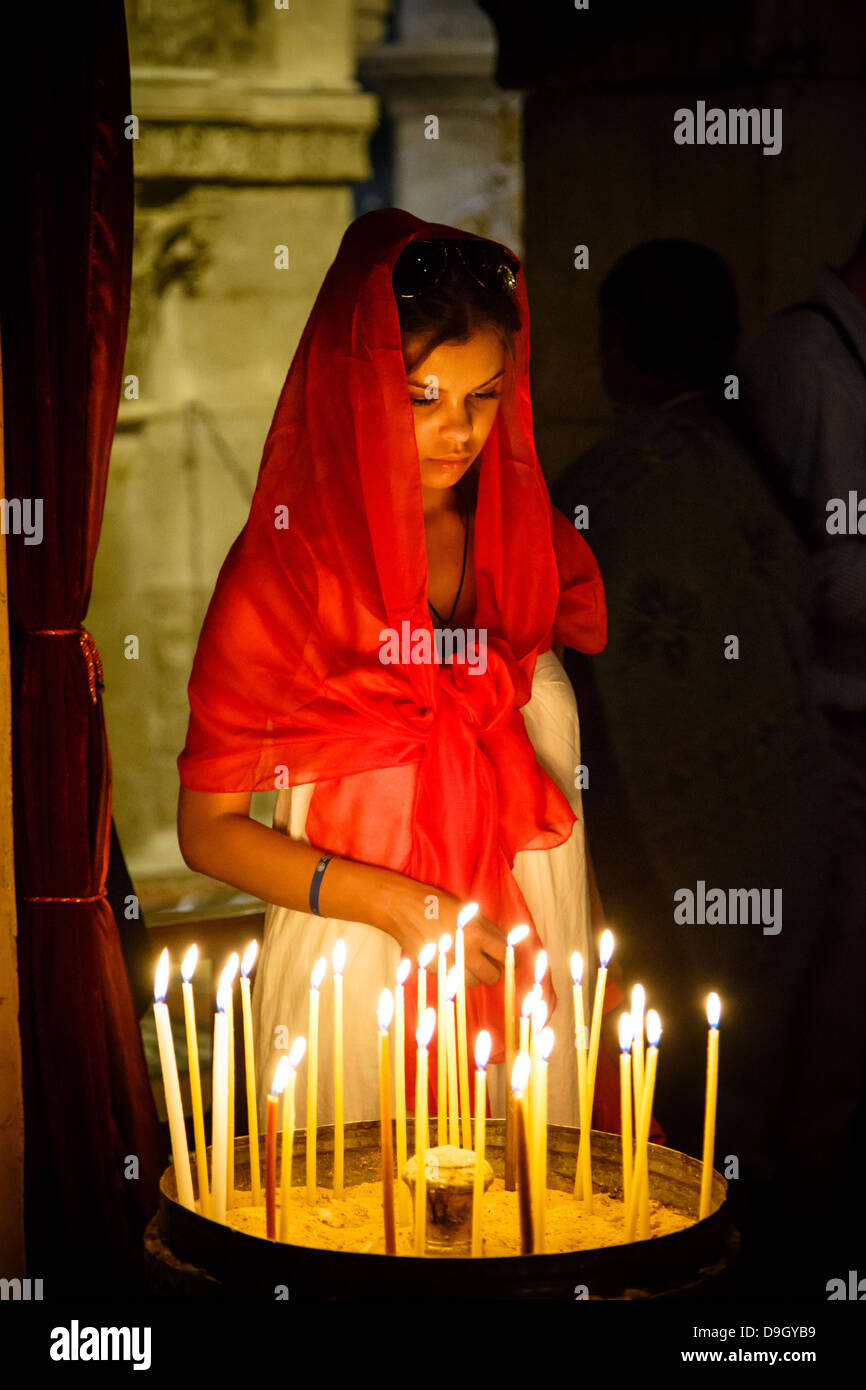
(338, 957)
(281, 1076)
(517, 934)
(160, 980)
(540, 966)
(545, 1044)
(452, 983)
(426, 955)
(482, 1049)
(714, 1009)
(224, 991)
(539, 1016)
(189, 963)
(249, 959)
(403, 971)
(444, 944)
(653, 1028)
(296, 1053)
(576, 967)
(318, 974)
(385, 1011)
(425, 1029)
(520, 1073)
(626, 1032)
(466, 914)
(605, 950)
(529, 1001)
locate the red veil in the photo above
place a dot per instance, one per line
(424, 768)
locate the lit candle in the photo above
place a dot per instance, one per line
(540, 967)
(441, 1046)
(519, 1080)
(537, 1021)
(714, 1011)
(605, 953)
(515, 936)
(384, 1015)
(247, 964)
(482, 1057)
(220, 1099)
(187, 970)
(653, 1034)
(422, 1038)
(544, 1047)
(296, 1055)
(464, 916)
(625, 1056)
(316, 979)
(583, 1167)
(232, 968)
(338, 961)
(168, 1064)
(451, 987)
(425, 957)
(529, 1002)
(638, 1010)
(278, 1085)
(404, 1206)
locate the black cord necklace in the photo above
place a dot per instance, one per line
(462, 575)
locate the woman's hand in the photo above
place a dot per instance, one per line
(411, 925)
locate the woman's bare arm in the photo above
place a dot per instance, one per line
(218, 837)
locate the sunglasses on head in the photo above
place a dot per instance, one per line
(422, 263)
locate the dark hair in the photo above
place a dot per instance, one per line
(675, 304)
(453, 310)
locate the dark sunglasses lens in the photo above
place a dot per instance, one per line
(418, 266)
(492, 267)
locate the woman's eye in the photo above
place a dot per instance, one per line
(476, 396)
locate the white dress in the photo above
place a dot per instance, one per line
(553, 882)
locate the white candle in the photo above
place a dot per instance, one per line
(482, 1057)
(464, 916)
(168, 1063)
(404, 1204)
(316, 979)
(187, 970)
(338, 962)
(247, 964)
(220, 1099)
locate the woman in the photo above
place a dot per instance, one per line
(429, 774)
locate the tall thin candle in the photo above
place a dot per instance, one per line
(171, 1082)
(422, 1039)
(247, 964)
(296, 1055)
(384, 1015)
(187, 970)
(544, 1047)
(451, 987)
(583, 1167)
(278, 1085)
(441, 1043)
(515, 936)
(604, 955)
(714, 1012)
(316, 979)
(482, 1057)
(425, 958)
(338, 962)
(232, 968)
(519, 1080)
(537, 1021)
(638, 1010)
(464, 916)
(625, 1059)
(404, 1205)
(220, 1099)
(653, 1034)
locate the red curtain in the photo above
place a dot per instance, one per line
(66, 268)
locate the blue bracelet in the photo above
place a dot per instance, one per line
(317, 881)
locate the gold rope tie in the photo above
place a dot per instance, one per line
(94, 680)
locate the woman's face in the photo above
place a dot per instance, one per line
(455, 395)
